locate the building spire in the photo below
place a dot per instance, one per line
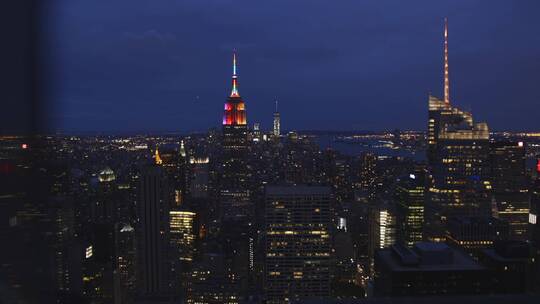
(446, 67)
(276, 105)
(157, 158)
(234, 92)
(182, 149)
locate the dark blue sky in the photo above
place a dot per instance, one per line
(133, 65)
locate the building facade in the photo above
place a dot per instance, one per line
(510, 186)
(152, 232)
(298, 243)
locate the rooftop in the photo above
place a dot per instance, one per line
(426, 256)
(297, 190)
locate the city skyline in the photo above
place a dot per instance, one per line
(236, 152)
(186, 90)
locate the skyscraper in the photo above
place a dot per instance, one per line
(174, 164)
(510, 186)
(298, 243)
(534, 223)
(234, 194)
(153, 205)
(182, 234)
(125, 255)
(534, 213)
(199, 176)
(382, 230)
(277, 122)
(234, 134)
(458, 158)
(410, 208)
(365, 184)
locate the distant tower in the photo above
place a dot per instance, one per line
(446, 67)
(277, 122)
(234, 175)
(256, 132)
(182, 149)
(157, 157)
(235, 112)
(234, 135)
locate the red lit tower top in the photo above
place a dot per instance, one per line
(235, 109)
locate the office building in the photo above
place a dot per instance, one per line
(234, 193)
(427, 269)
(534, 225)
(256, 135)
(409, 195)
(510, 186)
(458, 161)
(234, 136)
(211, 283)
(366, 183)
(510, 266)
(475, 233)
(298, 243)
(200, 171)
(181, 234)
(125, 258)
(153, 207)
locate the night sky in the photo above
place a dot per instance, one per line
(165, 65)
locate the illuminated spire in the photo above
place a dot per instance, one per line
(182, 149)
(234, 92)
(446, 76)
(276, 106)
(157, 158)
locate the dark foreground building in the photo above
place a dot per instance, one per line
(427, 269)
(510, 264)
(153, 206)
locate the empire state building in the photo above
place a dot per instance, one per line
(234, 171)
